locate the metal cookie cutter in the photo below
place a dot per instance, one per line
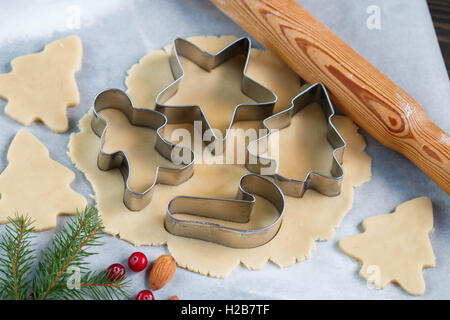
(117, 99)
(264, 98)
(238, 210)
(327, 185)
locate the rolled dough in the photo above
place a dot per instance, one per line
(306, 219)
(35, 185)
(42, 85)
(395, 247)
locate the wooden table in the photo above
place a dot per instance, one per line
(440, 12)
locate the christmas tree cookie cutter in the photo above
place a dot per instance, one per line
(119, 100)
(235, 210)
(328, 185)
(264, 98)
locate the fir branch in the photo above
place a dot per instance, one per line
(51, 280)
(17, 258)
(70, 248)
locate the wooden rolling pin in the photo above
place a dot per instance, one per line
(357, 87)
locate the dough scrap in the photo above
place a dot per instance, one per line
(42, 85)
(35, 185)
(395, 247)
(310, 218)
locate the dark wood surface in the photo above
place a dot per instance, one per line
(440, 12)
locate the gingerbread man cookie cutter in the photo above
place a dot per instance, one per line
(119, 100)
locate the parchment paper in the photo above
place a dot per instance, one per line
(116, 34)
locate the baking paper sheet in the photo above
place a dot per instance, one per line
(116, 34)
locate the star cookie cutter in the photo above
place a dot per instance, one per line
(235, 210)
(119, 100)
(264, 98)
(329, 185)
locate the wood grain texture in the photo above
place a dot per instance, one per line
(360, 90)
(440, 13)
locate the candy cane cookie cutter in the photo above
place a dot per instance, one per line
(234, 210)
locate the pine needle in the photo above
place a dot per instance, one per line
(16, 258)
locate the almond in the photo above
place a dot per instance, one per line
(174, 298)
(162, 271)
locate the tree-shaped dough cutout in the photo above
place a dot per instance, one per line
(42, 85)
(35, 185)
(395, 247)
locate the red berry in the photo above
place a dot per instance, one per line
(116, 271)
(137, 261)
(145, 295)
